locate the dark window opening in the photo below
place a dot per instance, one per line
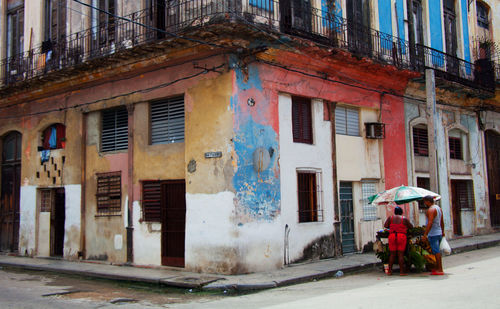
(54, 137)
(308, 197)
(302, 120)
(464, 194)
(482, 15)
(455, 148)
(420, 142)
(424, 183)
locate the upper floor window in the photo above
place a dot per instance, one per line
(55, 21)
(457, 144)
(482, 15)
(167, 121)
(103, 25)
(347, 121)
(15, 28)
(114, 133)
(302, 120)
(54, 137)
(420, 141)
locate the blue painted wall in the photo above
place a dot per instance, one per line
(465, 26)
(435, 17)
(401, 18)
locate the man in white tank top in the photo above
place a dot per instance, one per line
(434, 231)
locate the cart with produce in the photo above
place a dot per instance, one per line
(418, 256)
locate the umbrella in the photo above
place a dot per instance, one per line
(401, 195)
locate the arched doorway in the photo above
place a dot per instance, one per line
(10, 191)
(493, 159)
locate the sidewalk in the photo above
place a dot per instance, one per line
(291, 274)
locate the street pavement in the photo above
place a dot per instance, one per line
(167, 276)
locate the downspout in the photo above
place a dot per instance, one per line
(83, 158)
(336, 208)
(130, 185)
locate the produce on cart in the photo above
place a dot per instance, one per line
(417, 253)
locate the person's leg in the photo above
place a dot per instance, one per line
(434, 242)
(392, 258)
(401, 261)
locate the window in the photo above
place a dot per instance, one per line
(114, 129)
(54, 137)
(482, 15)
(346, 121)
(302, 120)
(45, 200)
(308, 196)
(463, 195)
(263, 4)
(151, 201)
(55, 21)
(103, 25)
(15, 29)
(455, 148)
(420, 141)
(369, 210)
(424, 183)
(109, 193)
(167, 121)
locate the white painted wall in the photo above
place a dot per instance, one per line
(299, 155)
(72, 221)
(27, 219)
(43, 234)
(147, 240)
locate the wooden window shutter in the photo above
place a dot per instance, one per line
(114, 129)
(109, 193)
(167, 121)
(151, 201)
(302, 120)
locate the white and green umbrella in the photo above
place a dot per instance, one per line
(401, 195)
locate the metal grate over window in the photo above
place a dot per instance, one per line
(420, 142)
(151, 201)
(45, 201)
(369, 210)
(308, 197)
(464, 195)
(455, 148)
(302, 120)
(167, 121)
(109, 193)
(114, 135)
(346, 121)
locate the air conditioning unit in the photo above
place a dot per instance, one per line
(375, 130)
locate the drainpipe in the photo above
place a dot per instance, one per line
(431, 114)
(83, 158)
(130, 181)
(336, 208)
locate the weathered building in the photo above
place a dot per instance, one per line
(220, 136)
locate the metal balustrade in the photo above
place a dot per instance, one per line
(145, 27)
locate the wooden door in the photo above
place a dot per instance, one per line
(450, 33)
(10, 192)
(493, 162)
(416, 33)
(296, 16)
(456, 188)
(173, 219)
(347, 217)
(358, 27)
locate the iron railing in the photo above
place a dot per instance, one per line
(148, 26)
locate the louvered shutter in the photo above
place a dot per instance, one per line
(340, 120)
(352, 120)
(301, 120)
(167, 121)
(114, 129)
(151, 201)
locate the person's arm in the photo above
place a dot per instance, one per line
(408, 223)
(431, 214)
(387, 222)
(442, 223)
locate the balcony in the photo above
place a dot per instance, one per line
(146, 28)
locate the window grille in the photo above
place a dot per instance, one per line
(167, 121)
(346, 121)
(151, 201)
(302, 120)
(45, 200)
(464, 194)
(114, 129)
(420, 142)
(109, 193)
(369, 210)
(309, 197)
(455, 148)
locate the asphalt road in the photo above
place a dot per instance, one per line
(472, 280)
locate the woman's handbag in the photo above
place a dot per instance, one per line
(444, 246)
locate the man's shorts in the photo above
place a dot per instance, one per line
(434, 241)
(397, 242)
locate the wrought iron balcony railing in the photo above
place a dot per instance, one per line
(153, 25)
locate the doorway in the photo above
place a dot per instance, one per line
(493, 166)
(358, 27)
(173, 222)
(10, 192)
(347, 217)
(450, 34)
(57, 221)
(296, 16)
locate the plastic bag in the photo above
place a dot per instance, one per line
(444, 246)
